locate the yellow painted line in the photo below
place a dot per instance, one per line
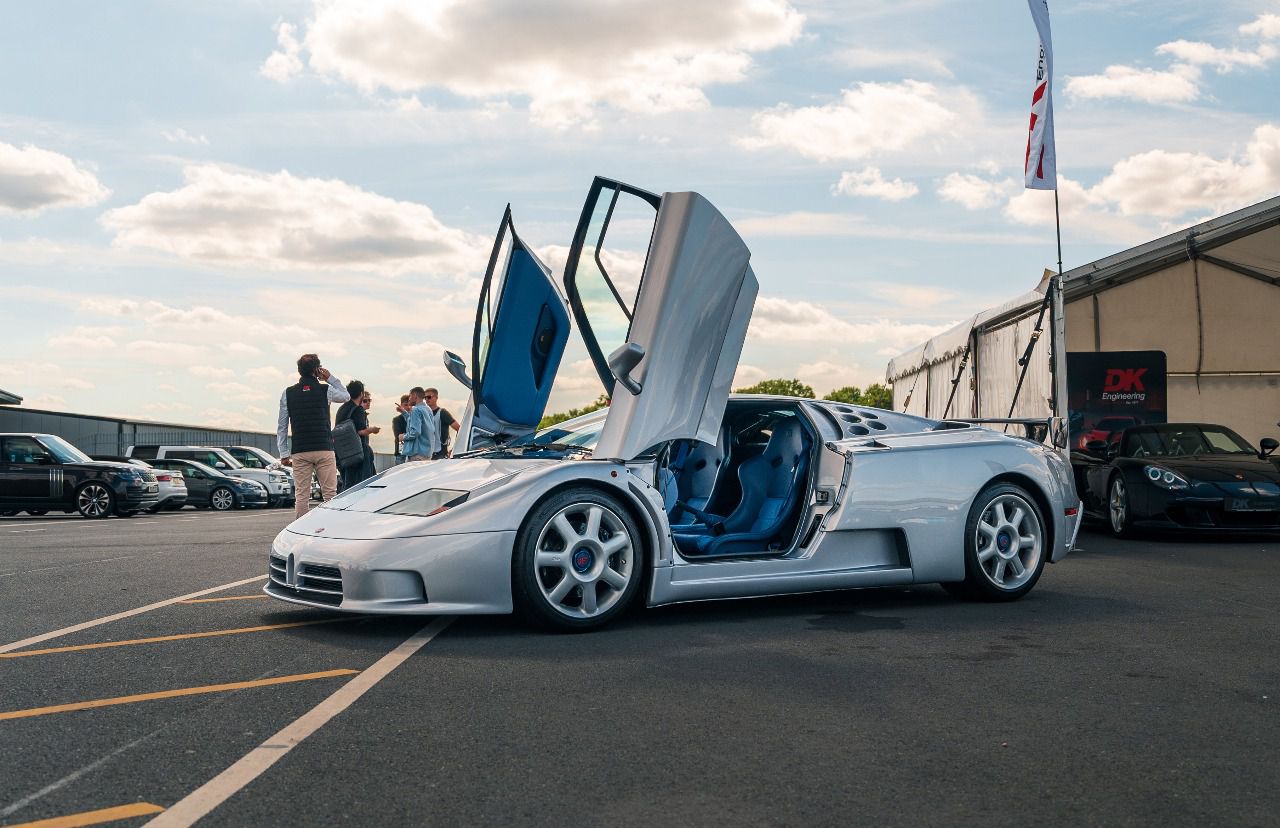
(231, 598)
(180, 637)
(97, 817)
(169, 694)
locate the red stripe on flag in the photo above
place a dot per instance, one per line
(1039, 93)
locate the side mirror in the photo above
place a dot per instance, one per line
(1268, 446)
(457, 368)
(220, 465)
(623, 361)
(1098, 447)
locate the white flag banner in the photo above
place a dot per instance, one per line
(1041, 169)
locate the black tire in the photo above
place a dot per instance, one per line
(37, 512)
(994, 545)
(1119, 514)
(223, 499)
(126, 513)
(530, 582)
(94, 501)
(8, 513)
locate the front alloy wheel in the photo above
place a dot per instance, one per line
(1118, 508)
(1005, 544)
(94, 500)
(577, 563)
(222, 499)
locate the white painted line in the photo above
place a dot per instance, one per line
(24, 531)
(68, 566)
(36, 639)
(197, 804)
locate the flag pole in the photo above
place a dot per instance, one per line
(1058, 326)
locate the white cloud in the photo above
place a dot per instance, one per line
(869, 118)
(870, 182)
(974, 192)
(284, 64)
(86, 339)
(34, 179)
(1224, 60)
(159, 352)
(1171, 184)
(44, 375)
(565, 57)
(747, 375)
(789, 321)
(181, 136)
(279, 221)
(826, 375)
(210, 372)
(868, 58)
(1265, 26)
(1177, 85)
(158, 315)
(423, 362)
(806, 224)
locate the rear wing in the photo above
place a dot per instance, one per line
(1051, 430)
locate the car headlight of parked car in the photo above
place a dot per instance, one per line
(1166, 479)
(250, 485)
(428, 503)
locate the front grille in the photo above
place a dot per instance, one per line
(149, 477)
(1199, 516)
(313, 582)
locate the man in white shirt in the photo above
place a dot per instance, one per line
(311, 452)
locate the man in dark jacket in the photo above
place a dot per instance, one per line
(305, 407)
(355, 411)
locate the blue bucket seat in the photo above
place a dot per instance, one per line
(772, 485)
(693, 477)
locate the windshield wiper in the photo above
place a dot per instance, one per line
(569, 447)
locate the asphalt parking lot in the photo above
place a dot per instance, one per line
(1136, 685)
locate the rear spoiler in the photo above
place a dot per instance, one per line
(1037, 429)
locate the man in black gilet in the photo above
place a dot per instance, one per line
(305, 406)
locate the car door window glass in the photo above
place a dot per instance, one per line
(610, 264)
(25, 451)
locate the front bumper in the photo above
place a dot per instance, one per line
(463, 574)
(137, 496)
(254, 498)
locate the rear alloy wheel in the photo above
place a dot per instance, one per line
(222, 499)
(578, 561)
(1005, 545)
(94, 500)
(1118, 518)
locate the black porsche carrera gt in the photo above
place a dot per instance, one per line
(1180, 476)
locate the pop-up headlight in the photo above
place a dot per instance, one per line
(425, 504)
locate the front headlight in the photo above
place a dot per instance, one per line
(1166, 479)
(425, 504)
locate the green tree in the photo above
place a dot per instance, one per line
(560, 417)
(779, 387)
(875, 396)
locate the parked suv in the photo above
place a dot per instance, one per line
(279, 485)
(254, 458)
(214, 489)
(173, 489)
(43, 472)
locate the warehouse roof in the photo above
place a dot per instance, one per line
(9, 399)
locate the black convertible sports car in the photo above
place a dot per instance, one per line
(1180, 476)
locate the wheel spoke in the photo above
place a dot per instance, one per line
(589, 598)
(614, 578)
(566, 530)
(561, 590)
(1026, 542)
(551, 560)
(998, 575)
(987, 530)
(593, 523)
(1015, 564)
(615, 544)
(984, 555)
(998, 509)
(1018, 515)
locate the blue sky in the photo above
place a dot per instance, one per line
(193, 193)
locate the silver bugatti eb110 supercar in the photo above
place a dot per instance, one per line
(677, 491)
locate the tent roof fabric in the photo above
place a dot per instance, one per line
(1127, 264)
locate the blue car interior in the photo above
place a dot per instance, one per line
(773, 485)
(530, 330)
(693, 477)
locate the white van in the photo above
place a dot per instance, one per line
(279, 485)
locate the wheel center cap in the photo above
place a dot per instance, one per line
(1003, 543)
(582, 560)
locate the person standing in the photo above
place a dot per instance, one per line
(444, 422)
(398, 426)
(366, 402)
(420, 439)
(305, 407)
(354, 410)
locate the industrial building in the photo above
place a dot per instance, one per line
(112, 436)
(1207, 297)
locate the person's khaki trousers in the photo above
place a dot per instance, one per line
(322, 464)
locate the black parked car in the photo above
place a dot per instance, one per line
(208, 487)
(1180, 476)
(40, 473)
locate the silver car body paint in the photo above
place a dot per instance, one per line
(888, 495)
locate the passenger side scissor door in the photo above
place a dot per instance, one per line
(521, 328)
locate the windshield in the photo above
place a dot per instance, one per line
(248, 459)
(578, 436)
(64, 451)
(1185, 441)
